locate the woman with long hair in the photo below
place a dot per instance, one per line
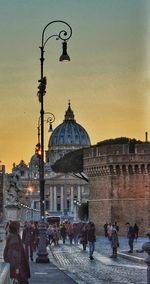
(14, 254)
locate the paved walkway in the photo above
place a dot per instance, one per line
(69, 265)
(103, 246)
(42, 273)
(48, 274)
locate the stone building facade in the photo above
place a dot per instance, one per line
(119, 184)
(60, 190)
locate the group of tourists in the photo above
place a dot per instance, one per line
(21, 244)
(83, 233)
(111, 232)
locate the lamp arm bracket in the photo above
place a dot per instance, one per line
(63, 34)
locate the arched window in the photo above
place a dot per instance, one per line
(148, 168)
(130, 169)
(136, 168)
(142, 169)
(111, 169)
(118, 171)
(124, 171)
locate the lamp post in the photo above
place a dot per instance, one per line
(63, 35)
(50, 119)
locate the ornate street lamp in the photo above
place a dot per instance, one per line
(50, 119)
(63, 35)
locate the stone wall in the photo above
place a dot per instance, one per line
(119, 183)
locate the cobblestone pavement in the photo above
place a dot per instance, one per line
(76, 264)
(102, 269)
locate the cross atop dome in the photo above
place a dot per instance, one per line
(69, 115)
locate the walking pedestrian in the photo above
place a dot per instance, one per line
(105, 229)
(14, 254)
(36, 229)
(91, 239)
(70, 233)
(130, 236)
(75, 233)
(50, 234)
(109, 230)
(84, 236)
(63, 233)
(116, 226)
(114, 241)
(29, 239)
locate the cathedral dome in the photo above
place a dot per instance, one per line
(69, 132)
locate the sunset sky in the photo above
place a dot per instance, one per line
(107, 80)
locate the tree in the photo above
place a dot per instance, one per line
(72, 162)
(119, 140)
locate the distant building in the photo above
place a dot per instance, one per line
(60, 190)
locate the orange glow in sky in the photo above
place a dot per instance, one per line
(107, 79)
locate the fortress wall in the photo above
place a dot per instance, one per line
(119, 186)
(122, 199)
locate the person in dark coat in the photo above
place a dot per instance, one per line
(63, 233)
(91, 239)
(29, 239)
(75, 233)
(14, 254)
(70, 233)
(114, 241)
(130, 236)
(105, 229)
(84, 236)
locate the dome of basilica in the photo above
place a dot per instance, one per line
(69, 132)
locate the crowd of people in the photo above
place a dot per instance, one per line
(111, 232)
(83, 233)
(21, 244)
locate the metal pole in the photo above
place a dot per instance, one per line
(42, 251)
(63, 35)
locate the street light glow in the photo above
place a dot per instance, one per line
(30, 189)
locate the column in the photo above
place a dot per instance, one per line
(72, 199)
(51, 198)
(79, 194)
(62, 199)
(55, 198)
